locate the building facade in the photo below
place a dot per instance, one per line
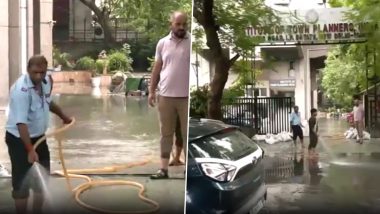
(25, 29)
(299, 50)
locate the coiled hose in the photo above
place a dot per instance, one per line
(77, 191)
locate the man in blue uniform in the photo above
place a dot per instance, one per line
(29, 108)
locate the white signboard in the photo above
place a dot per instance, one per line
(328, 25)
(282, 83)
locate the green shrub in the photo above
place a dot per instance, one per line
(63, 59)
(99, 65)
(120, 60)
(85, 63)
(198, 102)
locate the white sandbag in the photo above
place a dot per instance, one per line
(270, 140)
(4, 172)
(352, 133)
(259, 137)
(288, 136)
(285, 136)
(366, 135)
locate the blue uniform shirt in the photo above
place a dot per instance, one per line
(26, 106)
(295, 119)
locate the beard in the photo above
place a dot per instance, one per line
(180, 34)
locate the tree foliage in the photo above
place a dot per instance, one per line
(345, 71)
(149, 17)
(344, 74)
(223, 23)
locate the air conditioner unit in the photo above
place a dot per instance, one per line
(98, 31)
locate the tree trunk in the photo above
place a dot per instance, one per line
(107, 29)
(203, 12)
(216, 88)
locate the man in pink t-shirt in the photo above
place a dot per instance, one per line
(359, 118)
(171, 75)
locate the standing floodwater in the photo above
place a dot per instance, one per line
(109, 130)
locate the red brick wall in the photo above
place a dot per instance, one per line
(78, 77)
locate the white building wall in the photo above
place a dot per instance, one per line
(46, 30)
(80, 18)
(4, 62)
(203, 71)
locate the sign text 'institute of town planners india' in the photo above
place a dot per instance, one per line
(313, 27)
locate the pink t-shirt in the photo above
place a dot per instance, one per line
(175, 55)
(359, 113)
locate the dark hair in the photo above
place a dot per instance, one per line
(37, 60)
(313, 110)
(356, 97)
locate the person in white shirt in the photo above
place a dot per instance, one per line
(359, 117)
(296, 126)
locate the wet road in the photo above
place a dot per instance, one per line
(342, 178)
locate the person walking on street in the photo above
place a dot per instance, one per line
(359, 118)
(313, 130)
(171, 75)
(29, 107)
(296, 126)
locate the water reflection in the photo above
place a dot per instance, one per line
(314, 171)
(110, 129)
(296, 168)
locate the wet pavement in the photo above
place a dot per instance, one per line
(342, 178)
(109, 130)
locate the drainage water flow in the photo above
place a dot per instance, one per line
(40, 175)
(327, 149)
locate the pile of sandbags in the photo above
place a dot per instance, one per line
(274, 138)
(4, 172)
(352, 133)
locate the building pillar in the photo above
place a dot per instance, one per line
(34, 21)
(46, 30)
(308, 85)
(4, 51)
(15, 64)
(300, 93)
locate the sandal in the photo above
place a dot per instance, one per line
(160, 174)
(176, 163)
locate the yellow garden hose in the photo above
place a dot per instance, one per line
(77, 191)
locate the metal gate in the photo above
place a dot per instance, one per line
(372, 115)
(272, 113)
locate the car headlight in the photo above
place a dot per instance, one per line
(219, 172)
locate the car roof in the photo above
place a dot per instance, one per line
(200, 127)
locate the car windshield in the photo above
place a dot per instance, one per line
(231, 145)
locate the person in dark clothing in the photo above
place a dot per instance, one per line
(313, 130)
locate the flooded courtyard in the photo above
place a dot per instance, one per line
(342, 178)
(109, 130)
